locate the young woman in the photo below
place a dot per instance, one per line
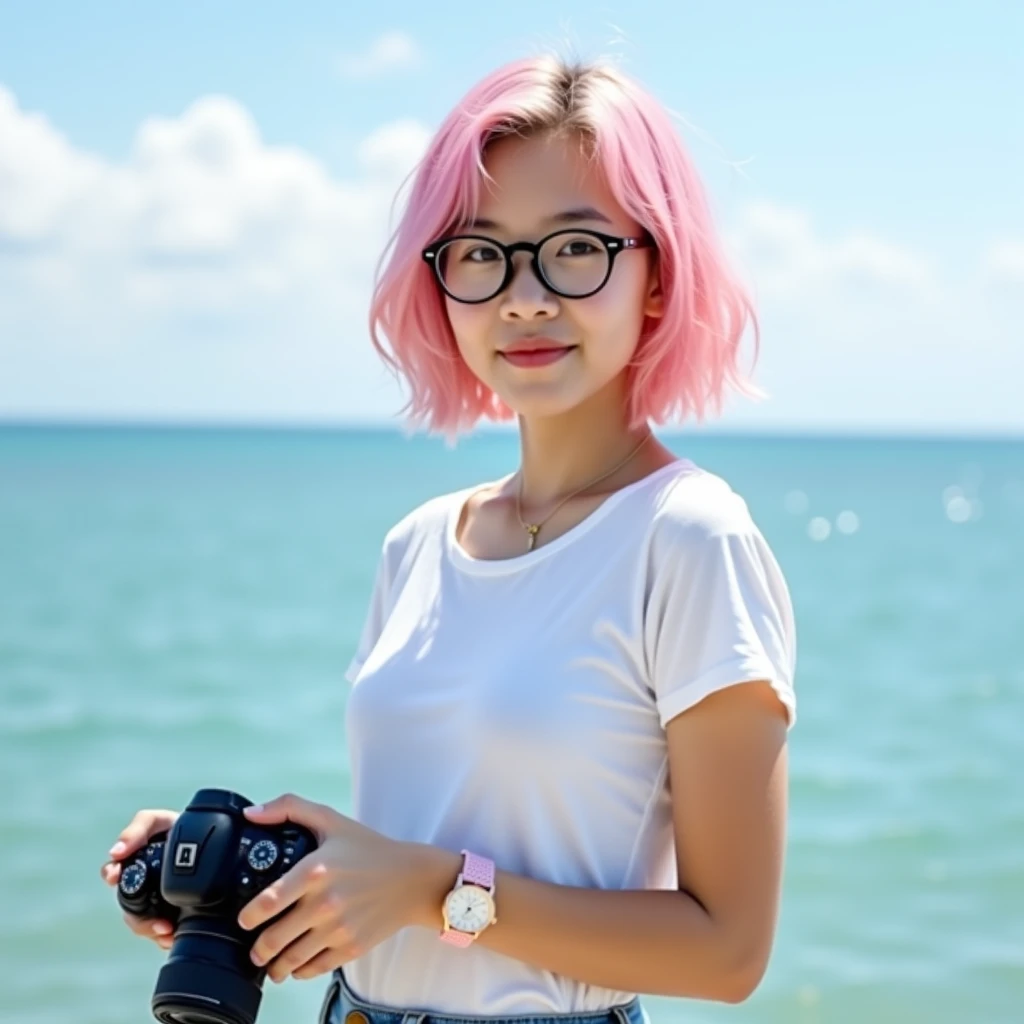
(570, 703)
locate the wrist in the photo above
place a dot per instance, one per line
(432, 872)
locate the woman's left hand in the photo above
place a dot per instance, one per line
(351, 893)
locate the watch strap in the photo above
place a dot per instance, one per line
(454, 938)
(478, 870)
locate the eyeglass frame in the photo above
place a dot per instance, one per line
(614, 244)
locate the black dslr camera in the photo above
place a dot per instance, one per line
(198, 877)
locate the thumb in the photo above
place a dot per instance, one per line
(317, 817)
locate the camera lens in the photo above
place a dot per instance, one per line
(208, 977)
(177, 1016)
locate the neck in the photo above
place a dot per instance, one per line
(563, 453)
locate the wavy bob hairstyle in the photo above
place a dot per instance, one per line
(683, 361)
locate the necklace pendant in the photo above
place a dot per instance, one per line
(532, 531)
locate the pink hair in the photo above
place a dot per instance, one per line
(683, 360)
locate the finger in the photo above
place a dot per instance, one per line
(304, 948)
(289, 807)
(111, 873)
(149, 928)
(138, 831)
(280, 895)
(140, 925)
(324, 963)
(283, 933)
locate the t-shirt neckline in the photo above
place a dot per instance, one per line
(502, 566)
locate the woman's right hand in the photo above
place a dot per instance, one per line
(144, 825)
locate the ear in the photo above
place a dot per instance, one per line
(654, 300)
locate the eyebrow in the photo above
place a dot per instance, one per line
(565, 217)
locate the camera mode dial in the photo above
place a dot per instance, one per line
(263, 855)
(133, 878)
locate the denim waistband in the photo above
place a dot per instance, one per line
(340, 1006)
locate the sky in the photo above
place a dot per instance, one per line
(193, 197)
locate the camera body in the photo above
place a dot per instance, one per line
(199, 876)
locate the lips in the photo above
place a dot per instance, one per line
(535, 345)
(535, 353)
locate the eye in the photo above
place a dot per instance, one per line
(486, 254)
(578, 247)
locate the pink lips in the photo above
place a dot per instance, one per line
(538, 354)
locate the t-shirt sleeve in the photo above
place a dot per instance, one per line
(375, 617)
(718, 610)
(399, 550)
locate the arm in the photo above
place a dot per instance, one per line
(712, 938)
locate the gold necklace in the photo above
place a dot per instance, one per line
(533, 529)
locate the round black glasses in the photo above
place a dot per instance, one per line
(571, 263)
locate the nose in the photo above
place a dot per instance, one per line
(526, 296)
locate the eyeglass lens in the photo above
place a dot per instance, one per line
(473, 269)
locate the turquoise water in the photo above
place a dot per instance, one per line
(177, 606)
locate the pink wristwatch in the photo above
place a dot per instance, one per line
(469, 908)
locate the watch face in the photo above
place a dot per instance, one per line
(470, 908)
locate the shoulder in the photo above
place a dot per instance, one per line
(703, 535)
(695, 508)
(423, 526)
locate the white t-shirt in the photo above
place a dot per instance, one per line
(517, 707)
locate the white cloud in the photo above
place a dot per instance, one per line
(212, 275)
(792, 261)
(387, 150)
(859, 330)
(43, 179)
(1005, 263)
(393, 51)
(205, 250)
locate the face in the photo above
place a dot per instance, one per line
(535, 180)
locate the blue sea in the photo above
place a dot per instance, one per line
(177, 607)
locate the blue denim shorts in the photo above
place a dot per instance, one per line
(340, 1006)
